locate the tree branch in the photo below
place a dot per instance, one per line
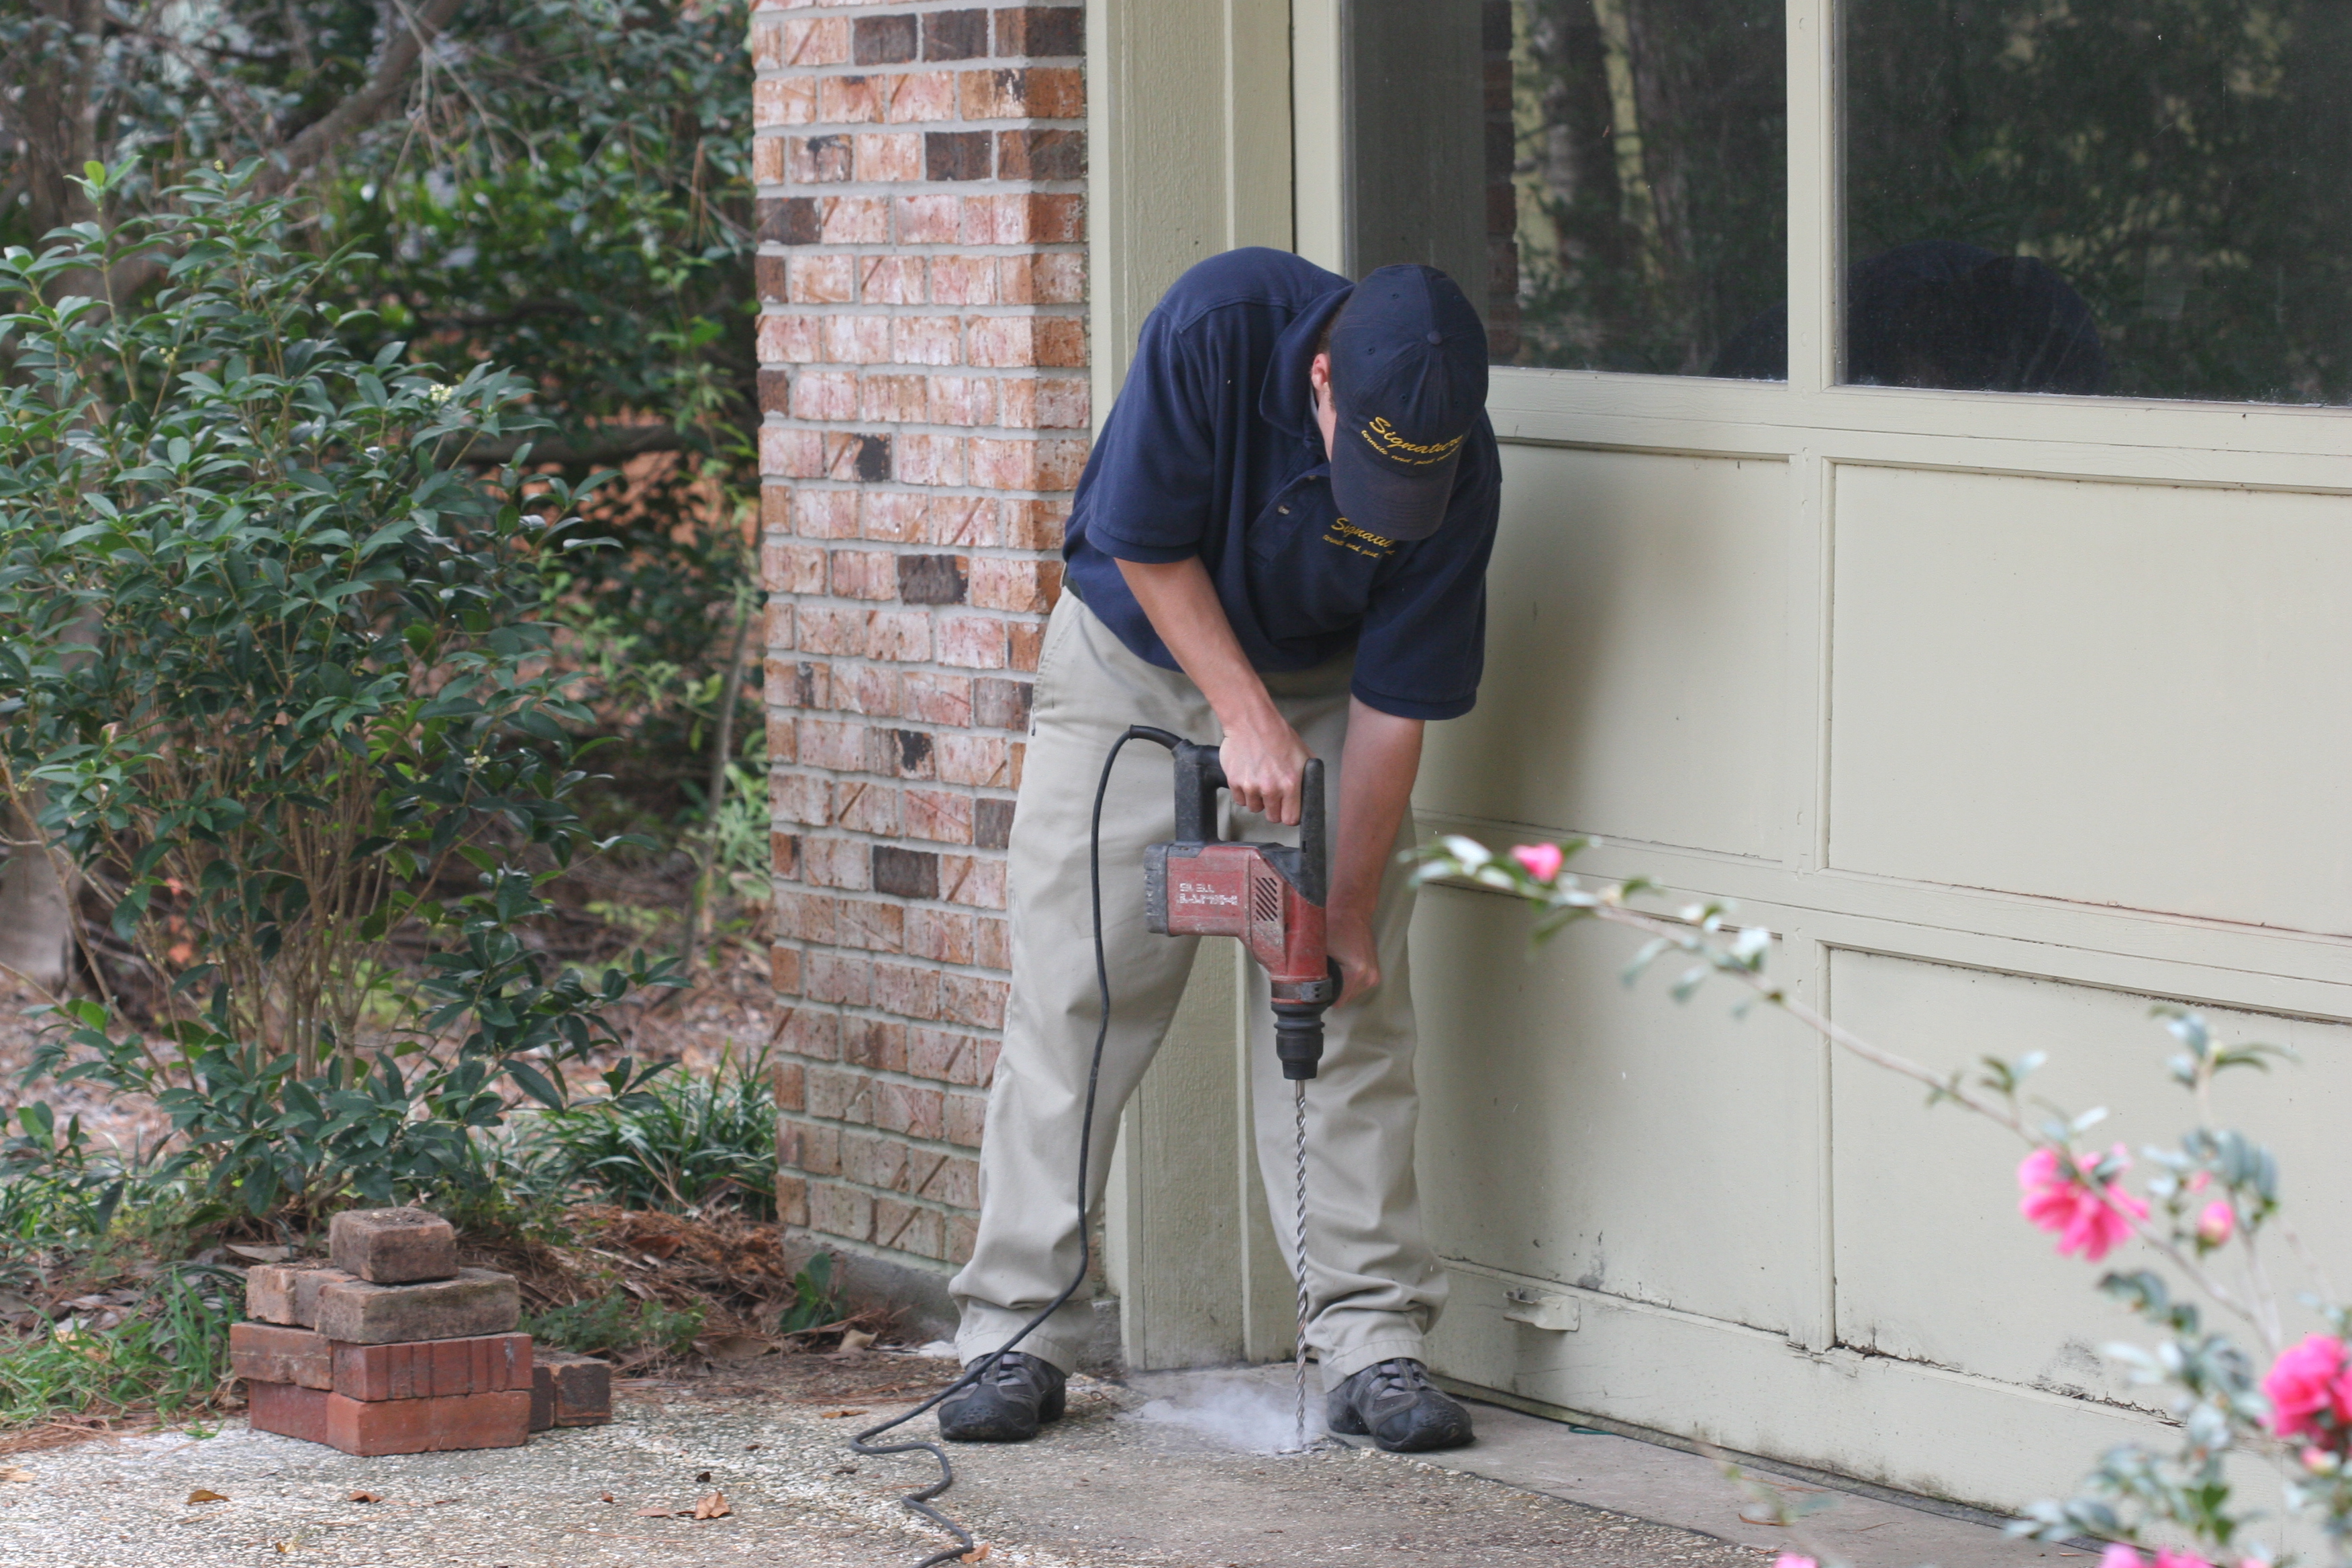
(403, 44)
(321, 137)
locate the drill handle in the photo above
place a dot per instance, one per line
(1199, 776)
(1315, 856)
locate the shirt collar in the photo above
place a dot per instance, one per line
(1286, 402)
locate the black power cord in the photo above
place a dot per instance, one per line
(921, 1501)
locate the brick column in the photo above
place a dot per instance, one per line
(924, 396)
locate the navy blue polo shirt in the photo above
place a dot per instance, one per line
(1212, 450)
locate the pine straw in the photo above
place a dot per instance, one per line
(70, 1431)
(733, 1269)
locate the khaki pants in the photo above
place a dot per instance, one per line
(1375, 1288)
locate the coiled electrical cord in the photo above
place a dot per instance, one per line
(921, 1501)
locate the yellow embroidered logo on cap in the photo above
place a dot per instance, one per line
(1382, 437)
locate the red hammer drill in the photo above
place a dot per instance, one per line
(1269, 895)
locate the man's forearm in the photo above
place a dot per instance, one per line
(1375, 776)
(1263, 755)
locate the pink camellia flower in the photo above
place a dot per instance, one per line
(1541, 861)
(2119, 1554)
(2167, 1557)
(2085, 1219)
(1790, 1559)
(2308, 1381)
(2215, 1222)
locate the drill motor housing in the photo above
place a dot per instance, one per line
(1271, 895)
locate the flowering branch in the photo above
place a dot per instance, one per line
(2301, 1412)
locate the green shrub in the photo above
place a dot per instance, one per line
(55, 1189)
(271, 675)
(684, 1144)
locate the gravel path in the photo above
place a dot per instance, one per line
(1101, 1490)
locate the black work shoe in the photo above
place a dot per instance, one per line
(1008, 1404)
(1395, 1405)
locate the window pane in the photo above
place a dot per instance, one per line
(2147, 198)
(1606, 178)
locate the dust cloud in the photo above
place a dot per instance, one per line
(1240, 1412)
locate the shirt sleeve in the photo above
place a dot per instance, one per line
(1423, 646)
(1156, 462)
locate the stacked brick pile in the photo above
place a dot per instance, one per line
(925, 398)
(389, 1347)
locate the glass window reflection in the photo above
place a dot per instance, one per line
(2147, 198)
(1606, 178)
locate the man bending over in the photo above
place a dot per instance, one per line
(1279, 545)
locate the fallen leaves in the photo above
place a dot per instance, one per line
(837, 1414)
(604, 1497)
(366, 1497)
(17, 1474)
(205, 1494)
(709, 1507)
(977, 1554)
(852, 1340)
(78, 1335)
(702, 1478)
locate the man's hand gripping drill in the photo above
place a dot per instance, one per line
(1271, 895)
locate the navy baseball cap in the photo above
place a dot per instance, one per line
(1409, 380)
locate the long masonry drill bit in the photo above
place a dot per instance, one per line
(1298, 1103)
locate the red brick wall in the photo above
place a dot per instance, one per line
(923, 352)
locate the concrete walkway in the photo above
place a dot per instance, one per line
(1145, 1475)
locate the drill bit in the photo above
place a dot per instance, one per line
(1299, 1104)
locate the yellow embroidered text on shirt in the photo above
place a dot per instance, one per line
(1345, 536)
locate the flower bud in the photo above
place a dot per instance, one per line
(1542, 861)
(2215, 1222)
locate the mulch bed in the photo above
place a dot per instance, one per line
(734, 1270)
